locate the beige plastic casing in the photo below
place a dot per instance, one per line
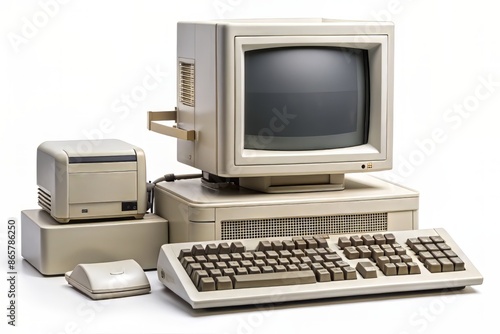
(76, 191)
(54, 249)
(109, 279)
(216, 48)
(196, 213)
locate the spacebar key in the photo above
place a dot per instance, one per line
(274, 279)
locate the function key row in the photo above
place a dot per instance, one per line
(366, 240)
(303, 243)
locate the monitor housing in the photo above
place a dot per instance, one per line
(285, 105)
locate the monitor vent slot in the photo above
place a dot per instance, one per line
(44, 199)
(186, 84)
(296, 226)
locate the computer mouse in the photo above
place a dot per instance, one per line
(109, 279)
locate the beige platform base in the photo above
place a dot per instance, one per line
(54, 248)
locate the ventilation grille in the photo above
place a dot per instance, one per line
(186, 80)
(281, 227)
(44, 199)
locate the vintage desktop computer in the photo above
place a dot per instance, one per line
(285, 118)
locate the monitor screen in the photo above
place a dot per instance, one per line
(306, 98)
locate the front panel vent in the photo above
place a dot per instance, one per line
(297, 226)
(44, 199)
(186, 83)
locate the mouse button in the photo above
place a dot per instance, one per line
(96, 277)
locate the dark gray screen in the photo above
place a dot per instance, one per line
(306, 98)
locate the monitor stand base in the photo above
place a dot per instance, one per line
(294, 184)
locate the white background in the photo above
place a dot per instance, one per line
(65, 68)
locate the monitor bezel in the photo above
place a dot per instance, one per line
(376, 149)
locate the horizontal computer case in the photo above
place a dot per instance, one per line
(198, 213)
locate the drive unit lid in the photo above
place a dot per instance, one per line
(91, 151)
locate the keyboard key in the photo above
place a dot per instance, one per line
(274, 279)
(343, 242)
(279, 268)
(311, 243)
(197, 275)
(220, 265)
(322, 243)
(247, 256)
(356, 240)
(446, 264)
(197, 249)
(208, 266)
(413, 268)
(418, 248)
(223, 248)
(436, 239)
(401, 268)
(364, 252)
(276, 245)
(212, 258)
(351, 253)
(241, 271)
(366, 269)
(285, 254)
(214, 273)
(264, 246)
(288, 245)
(432, 265)
(193, 267)
(269, 269)
(186, 261)
(300, 244)
(322, 275)
(422, 256)
(223, 283)
(379, 239)
(431, 247)
(457, 263)
(449, 253)
(184, 252)
(425, 240)
(389, 269)
(349, 273)
(253, 270)
(237, 247)
(389, 238)
(332, 257)
(406, 258)
(229, 272)
(411, 242)
(211, 249)
(376, 253)
(382, 260)
(442, 246)
(206, 284)
(336, 274)
(367, 240)
(200, 258)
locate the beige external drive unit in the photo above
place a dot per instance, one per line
(91, 179)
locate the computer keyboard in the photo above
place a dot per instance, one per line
(274, 270)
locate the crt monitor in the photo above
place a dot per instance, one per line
(285, 105)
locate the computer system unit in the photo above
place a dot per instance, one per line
(91, 179)
(198, 213)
